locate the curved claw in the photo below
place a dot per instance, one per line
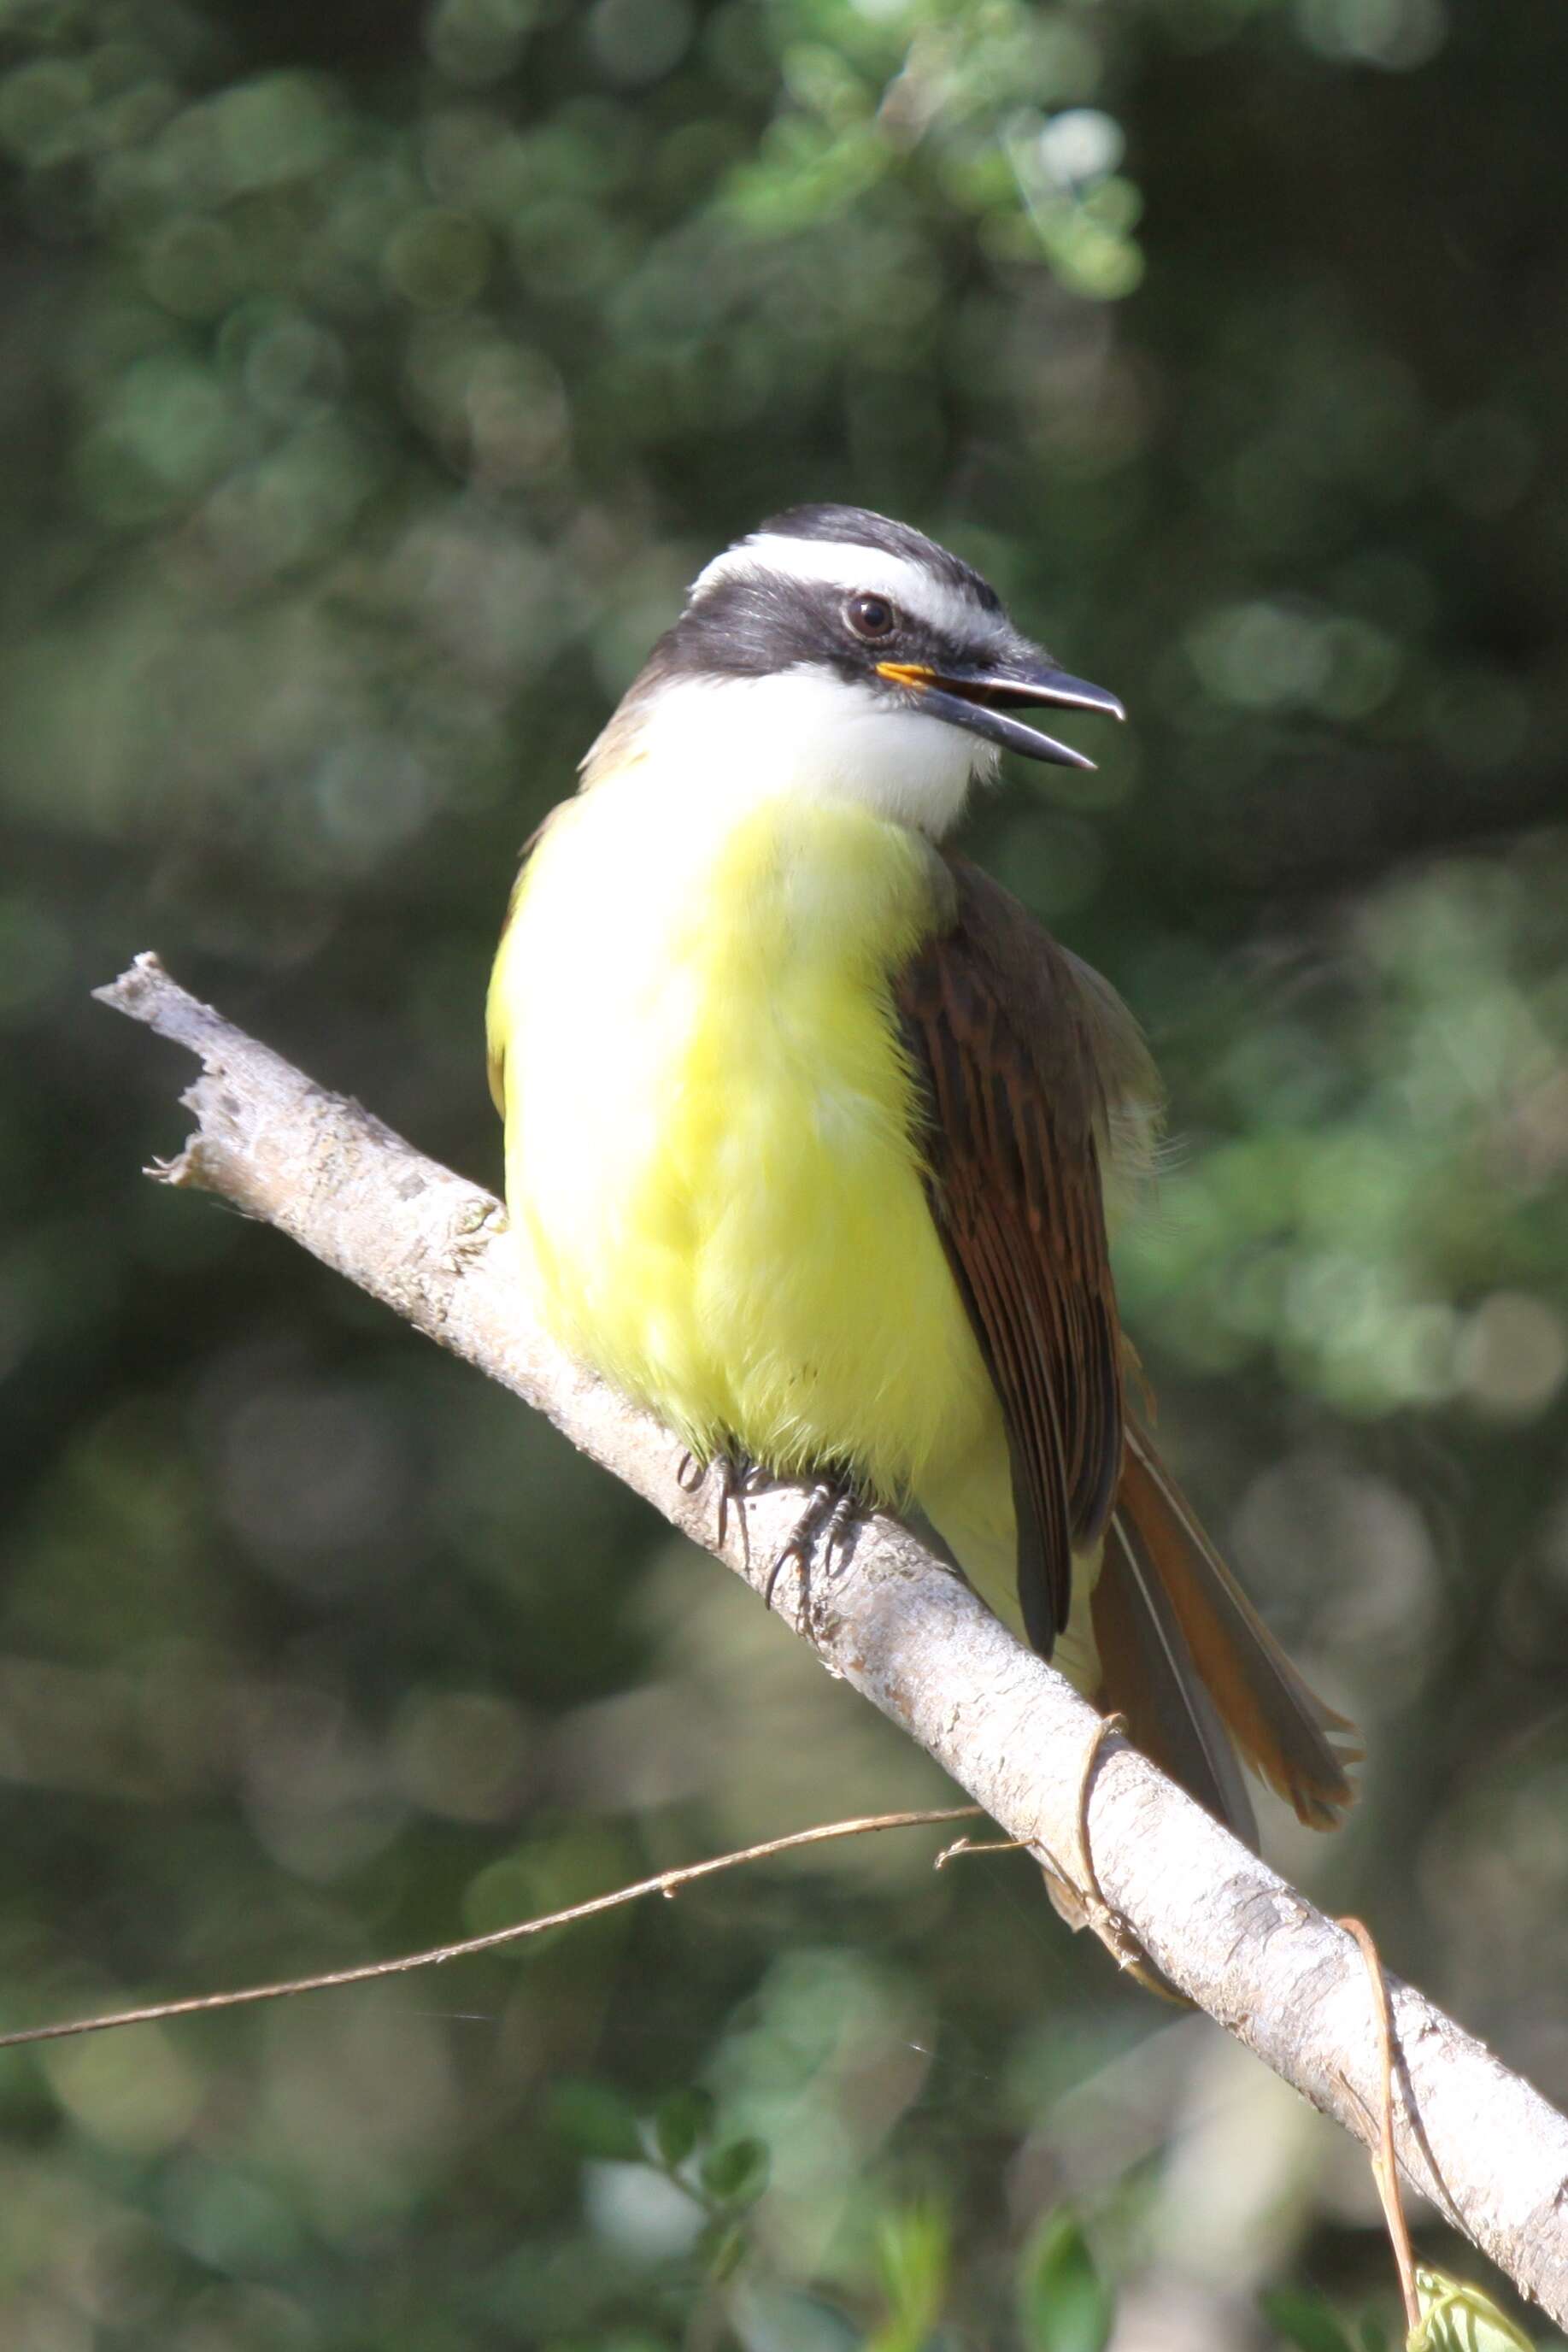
(833, 1510)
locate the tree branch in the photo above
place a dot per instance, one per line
(1241, 1943)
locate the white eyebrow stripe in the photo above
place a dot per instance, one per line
(835, 563)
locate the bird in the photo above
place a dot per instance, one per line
(815, 1137)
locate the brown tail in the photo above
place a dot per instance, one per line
(1188, 1662)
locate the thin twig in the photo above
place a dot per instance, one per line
(961, 1846)
(1385, 2165)
(666, 1883)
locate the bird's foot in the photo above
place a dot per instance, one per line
(826, 1529)
(738, 1479)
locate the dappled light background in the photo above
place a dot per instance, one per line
(372, 379)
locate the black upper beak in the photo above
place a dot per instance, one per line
(982, 700)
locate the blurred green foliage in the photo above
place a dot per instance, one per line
(1459, 2318)
(1455, 2317)
(371, 378)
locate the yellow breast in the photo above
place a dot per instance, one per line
(711, 1161)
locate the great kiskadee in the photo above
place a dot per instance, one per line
(812, 1132)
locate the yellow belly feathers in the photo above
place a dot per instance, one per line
(710, 1159)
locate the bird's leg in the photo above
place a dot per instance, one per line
(732, 1492)
(829, 1521)
(739, 1479)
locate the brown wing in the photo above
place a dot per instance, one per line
(1001, 1033)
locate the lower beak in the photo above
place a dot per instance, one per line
(982, 701)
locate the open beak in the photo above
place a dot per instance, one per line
(983, 701)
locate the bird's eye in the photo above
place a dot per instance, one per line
(871, 616)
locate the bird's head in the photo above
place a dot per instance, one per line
(835, 652)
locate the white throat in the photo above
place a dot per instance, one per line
(800, 732)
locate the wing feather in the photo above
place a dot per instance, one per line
(1015, 1113)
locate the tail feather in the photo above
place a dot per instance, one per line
(1198, 1656)
(1154, 1683)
